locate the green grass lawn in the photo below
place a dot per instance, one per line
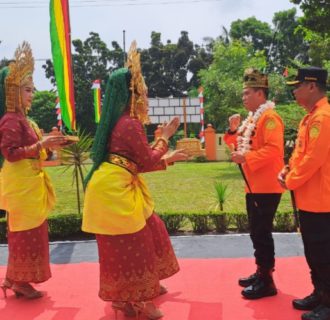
(184, 187)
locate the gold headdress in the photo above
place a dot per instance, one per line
(139, 100)
(253, 78)
(20, 73)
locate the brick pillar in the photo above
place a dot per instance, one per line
(210, 143)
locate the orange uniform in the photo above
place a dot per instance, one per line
(230, 138)
(265, 159)
(309, 174)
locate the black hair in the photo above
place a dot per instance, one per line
(265, 91)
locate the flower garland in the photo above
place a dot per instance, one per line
(248, 126)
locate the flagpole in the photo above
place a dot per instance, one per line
(124, 47)
(201, 111)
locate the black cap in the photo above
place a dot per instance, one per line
(312, 74)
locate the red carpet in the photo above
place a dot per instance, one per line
(204, 289)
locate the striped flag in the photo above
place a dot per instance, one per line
(97, 99)
(201, 110)
(61, 52)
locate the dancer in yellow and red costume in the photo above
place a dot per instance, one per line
(25, 189)
(135, 251)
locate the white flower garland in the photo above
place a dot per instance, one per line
(248, 125)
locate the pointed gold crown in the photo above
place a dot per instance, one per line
(20, 74)
(139, 101)
(253, 78)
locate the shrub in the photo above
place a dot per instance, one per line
(68, 226)
(284, 222)
(201, 158)
(241, 221)
(3, 230)
(173, 222)
(221, 221)
(64, 225)
(199, 222)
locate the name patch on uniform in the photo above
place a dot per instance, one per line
(270, 124)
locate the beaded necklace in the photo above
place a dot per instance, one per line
(248, 125)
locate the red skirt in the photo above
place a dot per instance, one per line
(28, 259)
(131, 265)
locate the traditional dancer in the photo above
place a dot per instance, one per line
(135, 251)
(25, 190)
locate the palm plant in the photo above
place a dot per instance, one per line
(75, 156)
(221, 194)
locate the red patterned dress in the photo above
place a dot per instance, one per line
(135, 251)
(27, 196)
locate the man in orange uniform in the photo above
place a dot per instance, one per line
(259, 151)
(308, 176)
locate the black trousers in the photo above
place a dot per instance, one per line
(261, 209)
(315, 232)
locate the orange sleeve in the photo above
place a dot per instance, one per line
(315, 153)
(272, 131)
(295, 156)
(230, 139)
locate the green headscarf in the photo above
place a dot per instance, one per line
(116, 99)
(3, 74)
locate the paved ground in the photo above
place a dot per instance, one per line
(204, 246)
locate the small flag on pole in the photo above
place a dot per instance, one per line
(97, 99)
(285, 72)
(58, 113)
(201, 111)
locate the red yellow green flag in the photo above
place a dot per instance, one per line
(97, 99)
(61, 52)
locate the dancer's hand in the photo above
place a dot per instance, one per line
(168, 129)
(176, 155)
(53, 142)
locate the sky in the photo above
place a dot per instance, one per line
(29, 20)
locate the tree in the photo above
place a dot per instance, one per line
(222, 81)
(4, 63)
(319, 50)
(316, 15)
(91, 60)
(201, 59)
(167, 67)
(252, 31)
(152, 61)
(316, 27)
(43, 110)
(288, 41)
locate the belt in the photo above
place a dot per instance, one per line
(123, 162)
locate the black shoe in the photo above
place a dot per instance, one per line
(308, 303)
(259, 289)
(321, 312)
(245, 282)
